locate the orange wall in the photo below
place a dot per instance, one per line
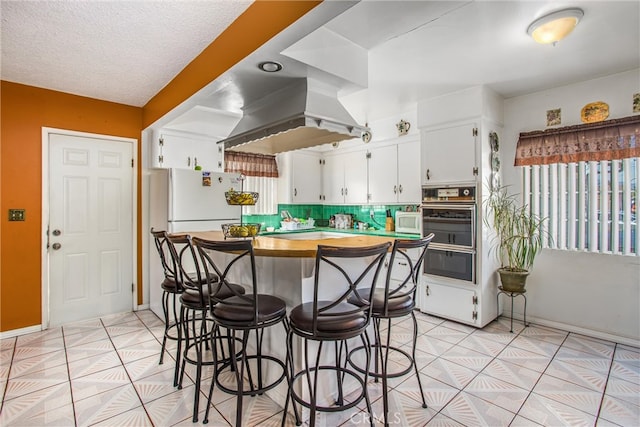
(24, 110)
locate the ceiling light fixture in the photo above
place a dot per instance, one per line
(270, 66)
(555, 26)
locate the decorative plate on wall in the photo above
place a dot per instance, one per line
(493, 141)
(594, 112)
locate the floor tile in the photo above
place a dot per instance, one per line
(133, 418)
(626, 370)
(620, 412)
(80, 327)
(28, 351)
(254, 409)
(139, 350)
(37, 363)
(155, 386)
(473, 411)
(177, 407)
(436, 393)
(7, 343)
(134, 338)
(570, 394)
(468, 358)
(524, 358)
(590, 345)
(586, 360)
(449, 335)
(38, 337)
(498, 335)
(623, 390)
(519, 421)
(535, 345)
(450, 373)
(93, 364)
(47, 406)
(35, 381)
(549, 412)
(432, 345)
(106, 405)
(85, 337)
(118, 318)
(83, 351)
(147, 366)
(125, 328)
(441, 420)
(497, 392)
(482, 345)
(99, 382)
(512, 373)
(594, 380)
(554, 336)
(403, 411)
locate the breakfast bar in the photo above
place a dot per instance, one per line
(285, 268)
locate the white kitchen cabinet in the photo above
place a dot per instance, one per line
(170, 150)
(449, 154)
(344, 178)
(451, 302)
(394, 173)
(301, 173)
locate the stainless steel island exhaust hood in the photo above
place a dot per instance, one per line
(303, 114)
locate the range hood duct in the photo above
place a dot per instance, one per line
(301, 115)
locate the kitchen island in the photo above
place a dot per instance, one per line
(285, 263)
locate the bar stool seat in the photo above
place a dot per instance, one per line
(400, 305)
(345, 318)
(269, 308)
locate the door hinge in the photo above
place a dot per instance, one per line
(132, 288)
(475, 171)
(131, 162)
(427, 290)
(219, 148)
(160, 159)
(161, 141)
(368, 154)
(474, 300)
(475, 132)
(474, 316)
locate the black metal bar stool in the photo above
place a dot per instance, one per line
(396, 300)
(342, 270)
(170, 290)
(196, 299)
(240, 314)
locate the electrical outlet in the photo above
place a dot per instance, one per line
(16, 214)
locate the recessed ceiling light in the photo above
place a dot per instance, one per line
(270, 66)
(555, 26)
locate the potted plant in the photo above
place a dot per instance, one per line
(518, 238)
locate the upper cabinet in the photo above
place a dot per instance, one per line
(394, 173)
(344, 178)
(172, 150)
(300, 177)
(449, 154)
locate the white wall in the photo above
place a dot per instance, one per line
(596, 294)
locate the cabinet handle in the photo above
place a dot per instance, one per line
(195, 161)
(428, 174)
(395, 189)
(400, 188)
(189, 161)
(402, 263)
(342, 191)
(295, 192)
(346, 191)
(427, 290)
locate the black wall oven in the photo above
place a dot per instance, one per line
(450, 213)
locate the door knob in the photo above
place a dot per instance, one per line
(56, 232)
(56, 246)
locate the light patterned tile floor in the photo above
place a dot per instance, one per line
(105, 372)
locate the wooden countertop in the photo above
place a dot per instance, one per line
(277, 247)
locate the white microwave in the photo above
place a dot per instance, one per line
(408, 222)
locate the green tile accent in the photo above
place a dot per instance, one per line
(323, 212)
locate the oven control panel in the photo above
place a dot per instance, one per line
(448, 194)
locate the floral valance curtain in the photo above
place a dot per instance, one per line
(250, 164)
(608, 140)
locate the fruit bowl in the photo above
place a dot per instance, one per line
(240, 230)
(245, 198)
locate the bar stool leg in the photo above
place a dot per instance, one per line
(415, 364)
(511, 312)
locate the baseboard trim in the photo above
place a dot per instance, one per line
(577, 329)
(142, 307)
(22, 331)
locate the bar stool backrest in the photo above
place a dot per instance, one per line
(408, 283)
(227, 259)
(162, 246)
(335, 270)
(189, 273)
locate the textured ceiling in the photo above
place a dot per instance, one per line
(121, 51)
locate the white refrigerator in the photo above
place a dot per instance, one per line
(183, 200)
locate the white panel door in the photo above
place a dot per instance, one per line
(90, 228)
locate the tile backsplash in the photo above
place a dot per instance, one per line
(321, 213)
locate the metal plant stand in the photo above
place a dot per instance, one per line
(513, 295)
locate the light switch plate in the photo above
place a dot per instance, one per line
(16, 214)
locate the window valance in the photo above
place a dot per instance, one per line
(250, 164)
(607, 140)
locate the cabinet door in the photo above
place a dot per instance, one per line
(355, 177)
(333, 179)
(409, 188)
(450, 302)
(383, 175)
(449, 154)
(307, 182)
(185, 152)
